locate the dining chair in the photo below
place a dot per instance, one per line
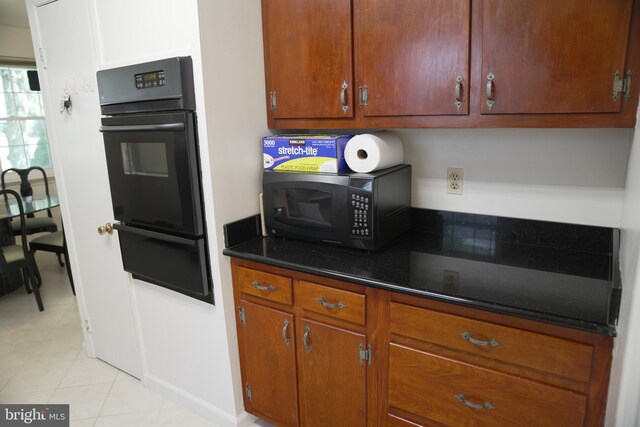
(52, 242)
(33, 224)
(18, 257)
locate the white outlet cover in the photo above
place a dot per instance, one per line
(455, 180)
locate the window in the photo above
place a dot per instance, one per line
(23, 134)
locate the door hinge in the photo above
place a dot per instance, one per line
(273, 100)
(44, 63)
(622, 85)
(247, 391)
(242, 316)
(87, 326)
(363, 95)
(365, 355)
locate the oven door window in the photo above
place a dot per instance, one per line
(147, 158)
(153, 171)
(306, 208)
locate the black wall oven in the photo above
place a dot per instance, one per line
(150, 138)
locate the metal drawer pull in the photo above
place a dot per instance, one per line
(287, 340)
(338, 305)
(472, 340)
(486, 405)
(458, 92)
(490, 100)
(343, 96)
(259, 287)
(305, 338)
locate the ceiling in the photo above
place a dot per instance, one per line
(13, 13)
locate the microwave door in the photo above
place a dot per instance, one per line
(305, 208)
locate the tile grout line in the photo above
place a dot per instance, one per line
(105, 399)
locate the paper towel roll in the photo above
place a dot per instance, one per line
(373, 151)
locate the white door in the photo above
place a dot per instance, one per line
(62, 34)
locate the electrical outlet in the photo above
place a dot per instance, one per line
(455, 177)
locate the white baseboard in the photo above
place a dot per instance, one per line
(197, 405)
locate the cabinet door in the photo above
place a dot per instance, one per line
(415, 56)
(549, 56)
(269, 364)
(308, 54)
(333, 384)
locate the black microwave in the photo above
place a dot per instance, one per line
(357, 210)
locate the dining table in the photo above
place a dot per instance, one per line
(8, 211)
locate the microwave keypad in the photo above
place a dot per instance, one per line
(360, 215)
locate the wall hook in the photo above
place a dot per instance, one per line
(65, 103)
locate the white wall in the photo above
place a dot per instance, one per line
(15, 43)
(189, 347)
(232, 59)
(624, 391)
(563, 175)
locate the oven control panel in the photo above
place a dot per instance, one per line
(151, 79)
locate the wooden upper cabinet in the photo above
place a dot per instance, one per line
(365, 64)
(414, 56)
(549, 56)
(308, 58)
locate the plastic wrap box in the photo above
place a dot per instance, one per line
(305, 153)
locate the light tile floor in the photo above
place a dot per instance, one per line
(42, 360)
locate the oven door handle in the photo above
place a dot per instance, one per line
(167, 127)
(155, 235)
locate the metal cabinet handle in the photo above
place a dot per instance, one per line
(286, 339)
(363, 96)
(305, 338)
(490, 100)
(458, 92)
(338, 305)
(259, 287)
(472, 340)
(105, 229)
(343, 96)
(486, 405)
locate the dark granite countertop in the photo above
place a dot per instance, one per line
(564, 274)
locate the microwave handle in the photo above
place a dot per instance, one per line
(154, 234)
(144, 128)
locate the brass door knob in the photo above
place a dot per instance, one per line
(105, 229)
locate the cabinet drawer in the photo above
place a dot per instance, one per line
(455, 394)
(265, 285)
(345, 305)
(544, 353)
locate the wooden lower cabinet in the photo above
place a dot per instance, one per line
(321, 352)
(268, 362)
(303, 347)
(333, 382)
(455, 393)
(449, 365)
